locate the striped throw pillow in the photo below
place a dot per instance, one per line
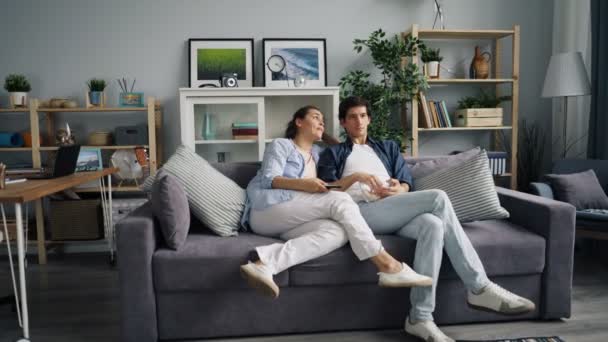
(214, 199)
(470, 187)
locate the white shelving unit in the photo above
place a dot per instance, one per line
(271, 108)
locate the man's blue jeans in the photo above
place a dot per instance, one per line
(428, 217)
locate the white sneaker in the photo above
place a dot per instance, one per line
(426, 330)
(497, 299)
(407, 277)
(260, 278)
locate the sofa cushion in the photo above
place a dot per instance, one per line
(170, 205)
(504, 248)
(214, 199)
(423, 167)
(470, 187)
(207, 262)
(582, 190)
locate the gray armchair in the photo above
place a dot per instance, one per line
(588, 225)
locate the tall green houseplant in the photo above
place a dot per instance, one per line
(398, 84)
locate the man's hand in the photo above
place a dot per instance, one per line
(394, 188)
(374, 183)
(314, 185)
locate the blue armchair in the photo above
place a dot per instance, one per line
(588, 224)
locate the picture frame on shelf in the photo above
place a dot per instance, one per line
(211, 58)
(295, 62)
(89, 159)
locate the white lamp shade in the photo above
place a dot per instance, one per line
(566, 76)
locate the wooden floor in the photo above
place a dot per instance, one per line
(75, 298)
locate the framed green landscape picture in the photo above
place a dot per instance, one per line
(210, 59)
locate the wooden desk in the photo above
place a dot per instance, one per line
(35, 190)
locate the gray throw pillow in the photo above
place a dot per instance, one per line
(582, 190)
(425, 167)
(170, 205)
(216, 200)
(470, 187)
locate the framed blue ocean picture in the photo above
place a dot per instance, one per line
(89, 159)
(295, 62)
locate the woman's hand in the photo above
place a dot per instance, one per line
(313, 185)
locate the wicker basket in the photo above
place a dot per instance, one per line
(100, 139)
(11, 225)
(76, 220)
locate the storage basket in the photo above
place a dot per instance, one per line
(76, 220)
(100, 139)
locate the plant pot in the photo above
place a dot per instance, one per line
(95, 97)
(432, 69)
(18, 98)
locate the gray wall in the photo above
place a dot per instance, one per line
(60, 44)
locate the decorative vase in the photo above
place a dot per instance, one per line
(209, 127)
(480, 65)
(432, 69)
(95, 97)
(18, 99)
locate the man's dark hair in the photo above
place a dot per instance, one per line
(351, 102)
(292, 129)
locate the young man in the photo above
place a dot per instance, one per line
(375, 174)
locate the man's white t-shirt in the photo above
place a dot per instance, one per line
(363, 158)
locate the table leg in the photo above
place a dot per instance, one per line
(40, 238)
(21, 263)
(106, 205)
(110, 219)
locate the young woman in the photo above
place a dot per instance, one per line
(287, 200)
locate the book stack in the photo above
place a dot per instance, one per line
(244, 130)
(432, 113)
(498, 162)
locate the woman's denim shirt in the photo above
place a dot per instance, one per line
(281, 158)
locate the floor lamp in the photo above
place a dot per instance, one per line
(566, 76)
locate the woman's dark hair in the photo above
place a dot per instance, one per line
(292, 129)
(351, 102)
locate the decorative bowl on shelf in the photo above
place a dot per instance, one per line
(100, 138)
(70, 104)
(56, 102)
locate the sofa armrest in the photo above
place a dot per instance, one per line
(555, 221)
(542, 190)
(137, 239)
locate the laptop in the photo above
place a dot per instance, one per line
(65, 163)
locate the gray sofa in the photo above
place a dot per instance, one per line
(197, 291)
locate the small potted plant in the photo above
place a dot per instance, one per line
(95, 95)
(18, 87)
(431, 59)
(480, 111)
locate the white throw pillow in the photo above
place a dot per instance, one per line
(216, 200)
(470, 187)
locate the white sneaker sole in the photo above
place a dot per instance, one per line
(413, 283)
(259, 283)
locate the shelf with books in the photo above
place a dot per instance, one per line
(428, 117)
(463, 34)
(465, 128)
(469, 81)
